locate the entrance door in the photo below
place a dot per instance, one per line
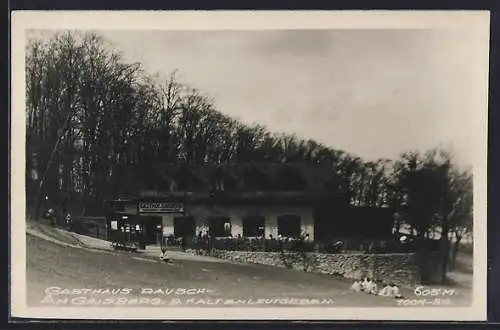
(184, 227)
(152, 232)
(219, 226)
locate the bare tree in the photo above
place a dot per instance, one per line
(90, 116)
(460, 211)
(77, 92)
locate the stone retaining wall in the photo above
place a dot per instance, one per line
(401, 269)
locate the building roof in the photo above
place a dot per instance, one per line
(270, 177)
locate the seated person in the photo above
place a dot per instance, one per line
(395, 292)
(338, 246)
(356, 286)
(364, 284)
(163, 255)
(372, 287)
(385, 291)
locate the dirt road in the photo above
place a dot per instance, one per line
(63, 275)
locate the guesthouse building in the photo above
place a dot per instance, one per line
(243, 200)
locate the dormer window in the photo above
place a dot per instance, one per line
(219, 184)
(255, 180)
(222, 181)
(289, 178)
(172, 185)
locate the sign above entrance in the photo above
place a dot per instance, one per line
(160, 207)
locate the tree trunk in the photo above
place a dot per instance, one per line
(454, 251)
(422, 254)
(445, 256)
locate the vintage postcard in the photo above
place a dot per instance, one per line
(249, 165)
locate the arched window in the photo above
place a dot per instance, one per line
(253, 226)
(184, 227)
(289, 178)
(165, 183)
(186, 180)
(219, 226)
(255, 180)
(221, 180)
(149, 183)
(289, 226)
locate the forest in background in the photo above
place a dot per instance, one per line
(89, 112)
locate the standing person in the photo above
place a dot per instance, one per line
(280, 243)
(209, 242)
(51, 215)
(68, 220)
(163, 244)
(308, 246)
(199, 242)
(184, 242)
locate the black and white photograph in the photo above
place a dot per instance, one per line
(226, 165)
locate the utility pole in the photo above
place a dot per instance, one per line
(184, 194)
(184, 186)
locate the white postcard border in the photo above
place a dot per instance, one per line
(225, 20)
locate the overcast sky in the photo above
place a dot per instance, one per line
(374, 93)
